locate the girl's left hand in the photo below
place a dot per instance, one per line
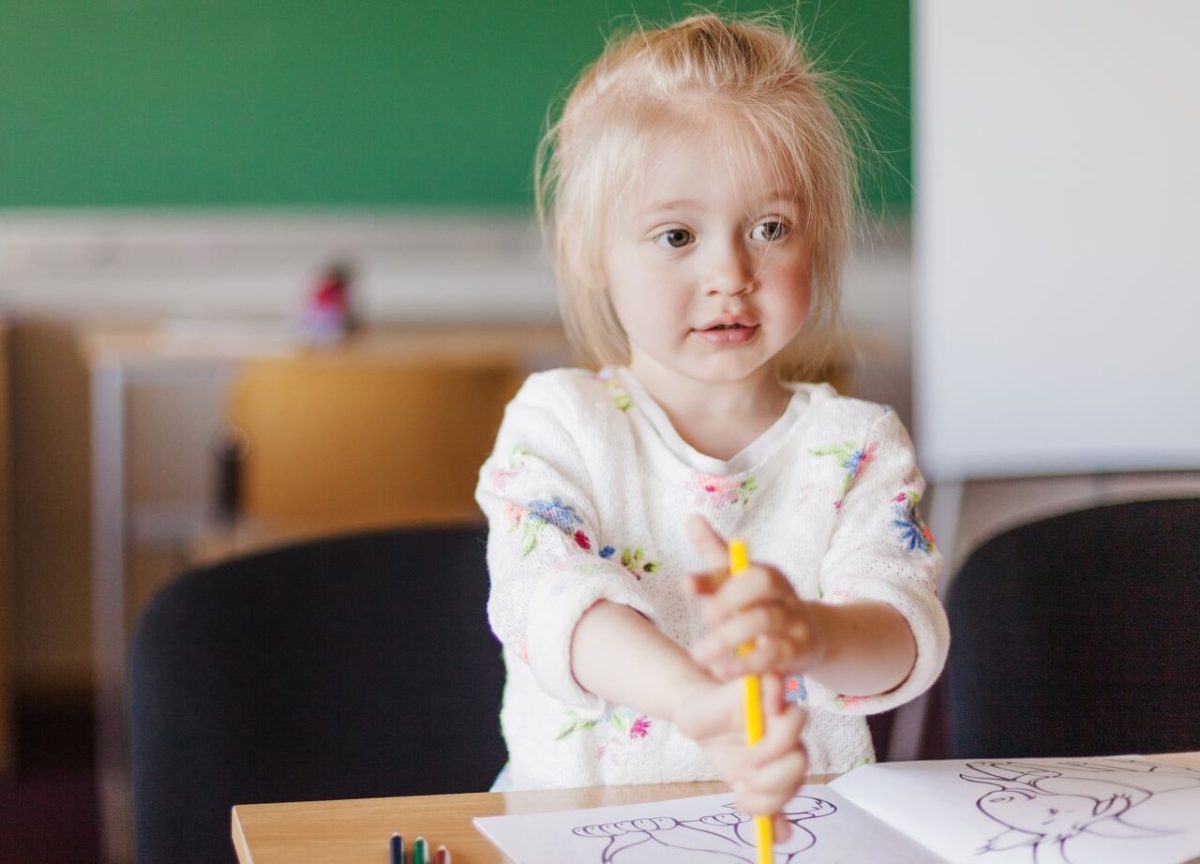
(759, 609)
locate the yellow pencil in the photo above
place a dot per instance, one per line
(739, 560)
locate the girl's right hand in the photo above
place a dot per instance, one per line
(763, 777)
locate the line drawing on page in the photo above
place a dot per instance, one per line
(727, 836)
(1044, 807)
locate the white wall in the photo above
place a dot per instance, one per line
(1056, 229)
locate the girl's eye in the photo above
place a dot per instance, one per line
(674, 238)
(770, 231)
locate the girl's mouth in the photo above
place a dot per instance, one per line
(728, 334)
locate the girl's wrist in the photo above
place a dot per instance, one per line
(689, 693)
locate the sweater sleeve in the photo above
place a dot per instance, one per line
(543, 551)
(881, 550)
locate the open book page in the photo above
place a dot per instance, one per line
(826, 829)
(1038, 811)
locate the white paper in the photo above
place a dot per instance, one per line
(826, 830)
(1038, 811)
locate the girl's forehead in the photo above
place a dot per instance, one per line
(707, 162)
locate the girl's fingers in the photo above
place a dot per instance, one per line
(782, 737)
(737, 631)
(782, 828)
(714, 552)
(765, 791)
(753, 585)
(768, 800)
(706, 584)
(772, 694)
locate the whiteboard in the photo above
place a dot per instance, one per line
(1056, 236)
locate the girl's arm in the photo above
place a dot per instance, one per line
(860, 648)
(869, 647)
(879, 630)
(622, 657)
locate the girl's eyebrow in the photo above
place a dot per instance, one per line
(676, 204)
(775, 197)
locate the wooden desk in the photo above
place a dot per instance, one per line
(118, 358)
(339, 832)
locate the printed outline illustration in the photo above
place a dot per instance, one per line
(720, 837)
(1043, 806)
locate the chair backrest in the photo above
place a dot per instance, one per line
(337, 444)
(356, 666)
(1079, 635)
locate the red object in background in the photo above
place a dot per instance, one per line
(327, 316)
(331, 291)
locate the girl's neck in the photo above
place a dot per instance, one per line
(721, 418)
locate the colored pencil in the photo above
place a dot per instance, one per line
(397, 849)
(739, 560)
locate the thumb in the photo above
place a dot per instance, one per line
(713, 549)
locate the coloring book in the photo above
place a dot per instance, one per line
(1027, 811)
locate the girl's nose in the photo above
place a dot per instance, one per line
(728, 269)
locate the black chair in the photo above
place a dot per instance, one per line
(1079, 635)
(358, 666)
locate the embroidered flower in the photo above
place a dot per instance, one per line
(607, 552)
(514, 464)
(794, 689)
(582, 541)
(913, 533)
(526, 525)
(616, 392)
(561, 516)
(640, 727)
(853, 459)
(626, 723)
(718, 491)
(634, 560)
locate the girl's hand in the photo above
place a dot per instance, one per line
(764, 777)
(759, 609)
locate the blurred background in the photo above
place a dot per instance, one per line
(268, 269)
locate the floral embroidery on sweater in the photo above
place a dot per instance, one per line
(626, 722)
(794, 689)
(513, 466)
(634, 560)
(913, 533)
(852, 458)
(530, 522)
(619, 395)
(719, 491)
(849, 701)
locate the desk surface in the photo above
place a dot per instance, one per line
(336, 832)
(339, 832)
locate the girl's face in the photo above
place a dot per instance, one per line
(706, 267)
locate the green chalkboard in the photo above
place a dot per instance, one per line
(356, 103)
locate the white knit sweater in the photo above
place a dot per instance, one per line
(586, 495)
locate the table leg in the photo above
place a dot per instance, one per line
(108, 611)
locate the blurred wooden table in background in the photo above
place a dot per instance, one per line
(387, 426)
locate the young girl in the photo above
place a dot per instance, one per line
(700, 192)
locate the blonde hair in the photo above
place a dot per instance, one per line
(751, 74)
